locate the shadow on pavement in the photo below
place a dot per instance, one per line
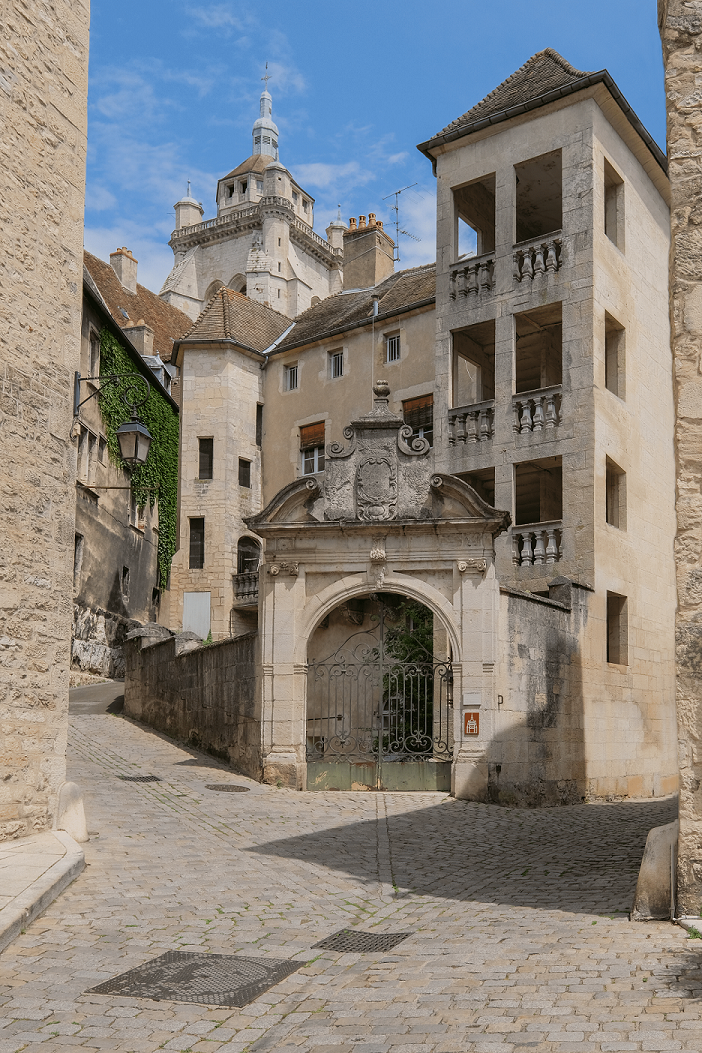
(582, 859)
(107, 697)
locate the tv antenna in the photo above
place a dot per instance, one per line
(396, 209)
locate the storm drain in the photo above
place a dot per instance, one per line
(139, 778)
(361, 942)
(225, 787)
(209, 979)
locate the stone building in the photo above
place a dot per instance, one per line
(529, 411)
(42, 173)
(681, 33)
(261, 242)
(116, 578)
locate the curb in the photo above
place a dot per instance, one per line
(42, 892)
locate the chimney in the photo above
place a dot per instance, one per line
(142, 336)
(368, 253)
(125, 267)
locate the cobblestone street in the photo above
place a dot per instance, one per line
(519, 918)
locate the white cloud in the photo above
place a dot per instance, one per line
(98, 198)
(418, 216)
(328, 176)
(154, 256)
(218, 16)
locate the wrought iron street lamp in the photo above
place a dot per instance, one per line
(134, 437)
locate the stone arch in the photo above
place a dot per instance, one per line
(212, 288)
(351, 586)
(248, 554)
(237, 283)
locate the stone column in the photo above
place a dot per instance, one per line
(681, 33)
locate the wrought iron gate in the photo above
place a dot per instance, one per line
(374, 722)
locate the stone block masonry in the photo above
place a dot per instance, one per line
(43, 124)
(206, 697)
(681, 33)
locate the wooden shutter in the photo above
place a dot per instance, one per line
(312, 435)
(419, 413)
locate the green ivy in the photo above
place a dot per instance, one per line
(157, 480)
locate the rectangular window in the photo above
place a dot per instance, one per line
(259, 424)
(539, 196)
(125, 583)
(305, 204)
(205, 454)
(392, 348)
(336, 363)
(294, 197)
(538, 491)
(613, 206)
(617, 630)
(102, 450)
(616, 495)
(244, 472)
(94, 364)
(197, 544)
(77, 559)
(291, 378)
(419, 414)
(474, 212)
(136, 514)
(615, 357)
(312, 448)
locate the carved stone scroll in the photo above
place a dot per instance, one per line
(479, 565)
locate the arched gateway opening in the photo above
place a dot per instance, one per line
(378, 627)
(379, 697)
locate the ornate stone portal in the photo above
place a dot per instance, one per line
(379, 517)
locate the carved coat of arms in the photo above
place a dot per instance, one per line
(376, 490)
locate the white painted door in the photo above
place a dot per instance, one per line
(196, 613)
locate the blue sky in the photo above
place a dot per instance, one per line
(174, 90)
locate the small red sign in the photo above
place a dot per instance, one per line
(471, 723)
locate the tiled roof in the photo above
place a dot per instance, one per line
(256, 163)
(232, 316)
(168, 323)
(543, 72)
(397, 293)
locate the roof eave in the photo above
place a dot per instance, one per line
(601, 77)
(199, 341)
(355, 325)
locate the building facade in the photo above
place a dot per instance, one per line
(261, 242)
(42, 172)
(532, 365)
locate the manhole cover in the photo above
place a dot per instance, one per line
(210, 979)
(139, 778)
(361, 942)
(226, 787)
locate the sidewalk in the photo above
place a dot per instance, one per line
(33, 871)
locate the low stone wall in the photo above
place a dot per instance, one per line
(205, 696)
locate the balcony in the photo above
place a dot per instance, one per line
(246, 589)
(537, 544)
(537, 257)
(537, 410)
(470, 424)
(472, 279)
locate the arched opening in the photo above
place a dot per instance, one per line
(212, 288)
(248, 555)
(379, 697)
(237, 284)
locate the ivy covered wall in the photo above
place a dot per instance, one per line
(155, 482)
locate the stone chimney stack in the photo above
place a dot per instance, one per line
(142, 336)
(368, 253)
(125, 267)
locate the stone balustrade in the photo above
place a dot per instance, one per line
(536, 544)
(541, 256)
(537, 410)
(470, 424)
(246, 586)
(472, 277)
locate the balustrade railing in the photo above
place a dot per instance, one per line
(540, 256)
(537, 410)
(536, 544)
(472, 277)
(472, 423)
(246, 586)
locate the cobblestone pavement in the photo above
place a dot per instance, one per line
(521, 939)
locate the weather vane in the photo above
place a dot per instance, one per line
(266, 78)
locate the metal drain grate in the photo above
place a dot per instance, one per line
(227, 787)
(210, 979)
(361, 942)
(139, 778)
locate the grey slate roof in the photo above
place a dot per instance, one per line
(343, 311)
(543, 72)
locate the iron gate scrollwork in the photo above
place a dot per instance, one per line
(366, 705)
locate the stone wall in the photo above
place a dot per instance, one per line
(43, 120)
(206, 697)
(681, 34)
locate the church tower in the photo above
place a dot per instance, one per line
(261, 242)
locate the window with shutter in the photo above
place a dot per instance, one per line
(419, 414)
